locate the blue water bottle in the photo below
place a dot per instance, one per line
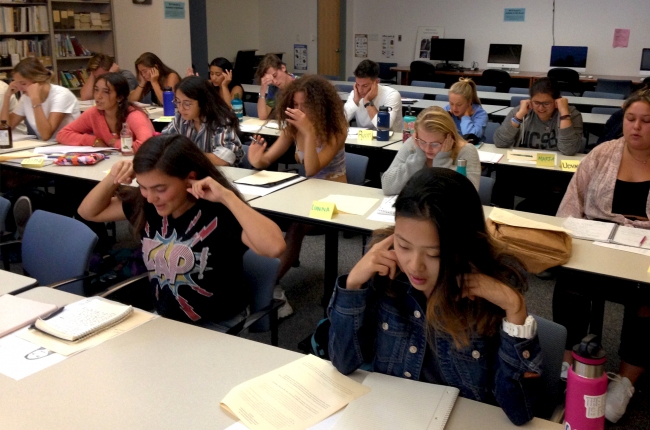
(461, 166)
(383, 123)
(168, 102)
(238, 108)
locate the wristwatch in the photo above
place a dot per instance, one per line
(526, 331)
(370, 103)
(96, 142)
(563, 117)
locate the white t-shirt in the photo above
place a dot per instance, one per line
(386, 96)
(59, 99)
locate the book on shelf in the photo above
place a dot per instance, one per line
(24, 48)
(73, 78)
(23, 19)
(69, 19)
(69, 46)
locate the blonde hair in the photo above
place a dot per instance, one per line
(437, 120)
(31, 68)
(467, 88)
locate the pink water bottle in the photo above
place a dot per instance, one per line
(586, 387)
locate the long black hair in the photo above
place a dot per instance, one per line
(149, 59)
(174, 155)
(213, 110)
(224, 65)
(121, 87)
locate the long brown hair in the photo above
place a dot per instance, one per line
(449, 201)
(31, 68)
(323, 106)
(121, 87)
(151, 60)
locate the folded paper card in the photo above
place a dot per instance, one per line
(322, 210)
(569, 165)
(351, 204)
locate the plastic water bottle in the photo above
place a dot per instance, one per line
(6, 140)
(409, 125)
(383, 123)
(586, 386)
(126, 140)
(238, 108)
(168, 102)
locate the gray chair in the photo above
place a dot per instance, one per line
(488, 135)
(355, 168)
(442, 97)
(485, 190)
(601, 95)
(386, 75)
(344, 88)
(352, 79)
(515, 90)
(251, 109)
(428, 84)
(552, 337)
(614, 86)
(604, 110)
(411, 95)
(487, 88)
(516, 101)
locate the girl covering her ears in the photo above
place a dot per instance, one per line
(153, 77)
(435, 143)
(465, 108)
(433, 300)
(194, 225)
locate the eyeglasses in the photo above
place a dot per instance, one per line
(186, 104)
(542, 104)
(430, 145)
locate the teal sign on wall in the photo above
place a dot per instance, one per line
(514, 14)
(174, 10)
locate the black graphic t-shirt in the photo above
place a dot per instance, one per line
(194, 262)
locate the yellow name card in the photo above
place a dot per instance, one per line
(546, 159)
(569, 165)
(364, 135)
(33, 162)
(322, 210)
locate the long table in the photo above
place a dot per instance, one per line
(165, 375)
(10, 282)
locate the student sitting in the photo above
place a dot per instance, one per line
(100, 125)
(466, 110)
(221, 76)
(194, 225)
(153, 78)
(612, 184)
(368, 96)
(207, 121)
(273, 77)
(46, 107)
(4, 88)
(435, 143)
(98, 65)
(545, 121)
(433, 301)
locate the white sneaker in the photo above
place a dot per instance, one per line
(619, 393)
(565, 370)
(285, 310)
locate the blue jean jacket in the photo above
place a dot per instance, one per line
(390, 334)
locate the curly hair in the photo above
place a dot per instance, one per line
(323, 107)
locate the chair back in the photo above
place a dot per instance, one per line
(485, 190)
(344, 88)
(245, 64)
(245, 164)
(250, 109)
(331, 77)
(487, 88)
(601, 95)
(614, 86)
(5, 205)
(355, 167)
(604, 110)
(488, 134)
(352, 79)
(427, 84)
(411, 95)
(442, 97)
(497, 78)
(515, 101)
(552, 337)
(387, 75)
(421, 71)
(260, 274)
(515, 90)
(566, 79)
(56, 248)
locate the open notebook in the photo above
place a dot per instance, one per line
(607, 232)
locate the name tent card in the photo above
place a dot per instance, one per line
(546, 159)
(33, 162)
(364, 135)
(322, 210)
(569, 165)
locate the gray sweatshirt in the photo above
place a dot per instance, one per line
(410, 159)
(541, 135)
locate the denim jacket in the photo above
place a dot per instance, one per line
(390, 334)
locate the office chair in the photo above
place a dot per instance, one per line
(330, 77)
(428, 84)
(487, 88)
(488, 135)
(515, 90)
(552, 337)
(485, 190)
(245, 65)
(421, 71)
(411, 95)
(352, 79)
(442, 97)
(5, 206)
(56, 250)
(604, 110)
(515, 101)
(614, 86)
(566, 79)
(355, 168)
(497, 78)
(601, 95)
(344, 88)
(386, 75)
(250, 108)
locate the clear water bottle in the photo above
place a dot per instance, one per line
(383, 123)
(6, 140)
(409, 125)
(168, 102)
(461, 166)
(238, 108)
(126, 140)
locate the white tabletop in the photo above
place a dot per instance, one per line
(164, 375)
(489, 147)
(587, 118)
(95, 172)
(234, 173)
(25, 144)
(11, 282)
(423, 104)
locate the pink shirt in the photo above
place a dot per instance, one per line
(92, 124)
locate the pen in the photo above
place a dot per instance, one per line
(642, 241)
(53, 314)
(254, 140)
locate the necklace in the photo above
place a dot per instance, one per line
(631, 155)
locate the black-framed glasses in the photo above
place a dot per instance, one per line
(186, 104)
(545, 105)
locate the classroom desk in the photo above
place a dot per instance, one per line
(490, 147)
(234, 173)
(423, 104)
(165, 375)
(10, 282)
(587, 118)
(27, 144)
(405, 70)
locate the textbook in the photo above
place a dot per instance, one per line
(608, 232)
(93, 316)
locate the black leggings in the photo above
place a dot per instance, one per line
(577, 294)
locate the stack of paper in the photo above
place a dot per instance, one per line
(385, 212)
(489, 157)
(589, 230)
(66, 149)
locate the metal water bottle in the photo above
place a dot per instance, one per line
(168, 102)
(383, 123)
(461, 166)
(409, 125)
(586, 387)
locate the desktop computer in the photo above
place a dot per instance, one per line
(570, 57)
(447, 50)
(645, 62)
(504, 56)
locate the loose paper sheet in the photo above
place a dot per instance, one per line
(621, 38)
(19, 358)
(588, 229)
(295, 396)
(504, 217)
(264, 177)
(489, 157)
(253, 190)
(385, 212)
(66, 149)
(351, 204)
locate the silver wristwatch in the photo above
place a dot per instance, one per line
(526, 331)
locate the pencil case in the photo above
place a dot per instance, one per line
(80, 159)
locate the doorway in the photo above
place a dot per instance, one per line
(331, 38)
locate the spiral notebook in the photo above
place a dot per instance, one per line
(397, 403)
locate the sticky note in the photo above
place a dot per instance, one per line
(164, 119)
(648, 269)
(322, 210)
(364, 135)
(546, 159)
(33, 162)
(569, 165)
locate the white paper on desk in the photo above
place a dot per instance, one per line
(66, 149)
(327, 424)
(385, 212)
(20, 358)
(350, 204)
(508, 218)
(264, 177)
(253, 190)
(633, 249)
(397, 403)
(489, 157)
(295, 396)
(589, 229)
(631, 236)
(530, 163)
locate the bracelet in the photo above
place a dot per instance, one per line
(259, 95)
(35, 106)
(515, 120)
(140, 87)
(563, 117)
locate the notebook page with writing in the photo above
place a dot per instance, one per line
(589, 229)
(397, 403)
(630, 236)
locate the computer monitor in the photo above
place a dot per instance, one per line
(571, 57)
(447, 50)
(503, 56)
(645, 62)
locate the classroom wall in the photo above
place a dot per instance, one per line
(578, 22)
(233, 25)
(142, 28)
